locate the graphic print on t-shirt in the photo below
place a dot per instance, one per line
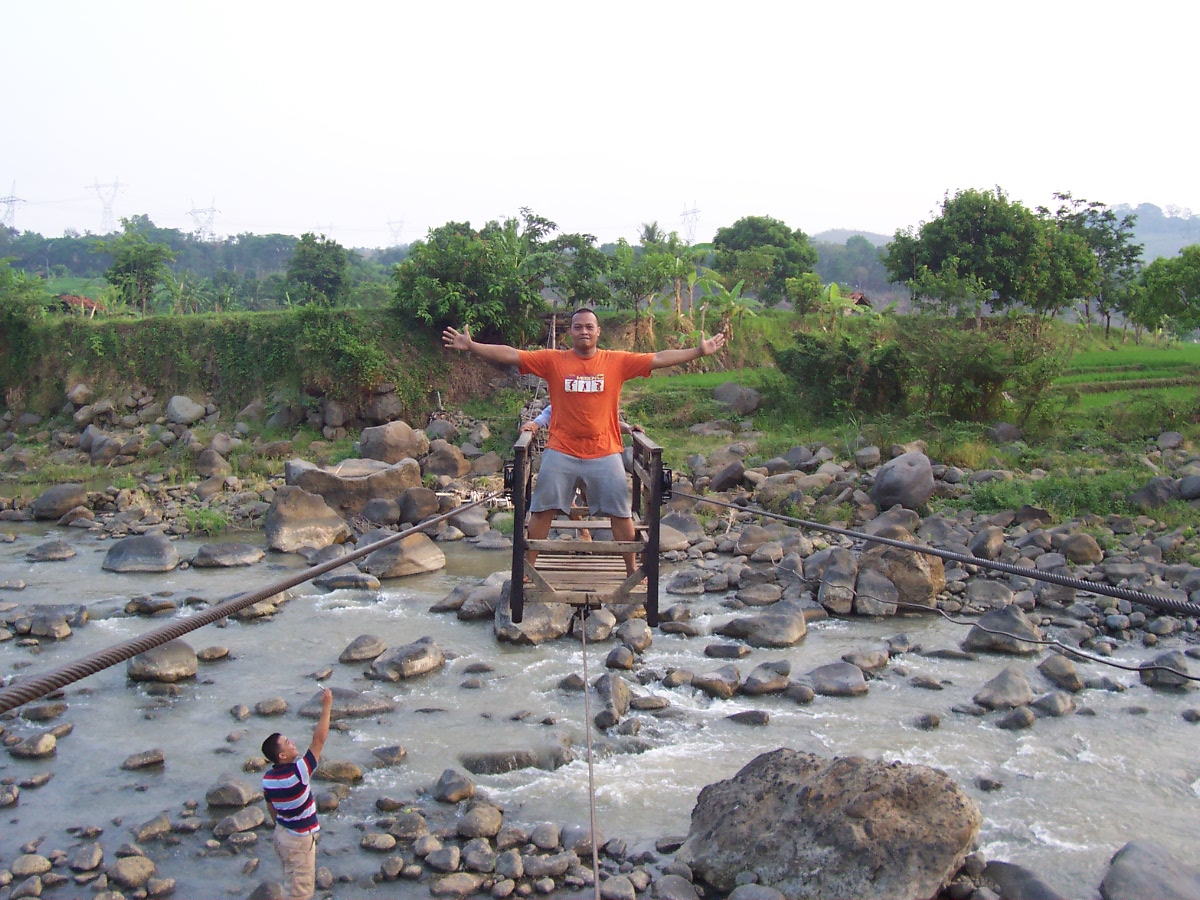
(584, 384)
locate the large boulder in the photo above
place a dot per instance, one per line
(539, 623)
(141, 553)
(742, 400)
(446, 459)
(418, 658)
(918, 577)
(412, 555)
(780, 625)
(392, 442)
(1145, 869)
(183, 410)
(906, 480)
(843, 827)
(299, 519)
(57, 501)
(347, 486)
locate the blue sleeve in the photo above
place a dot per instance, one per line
(543, 418)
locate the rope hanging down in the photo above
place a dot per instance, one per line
(31, 689)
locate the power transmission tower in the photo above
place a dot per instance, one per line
(690, 217)
(204, 221)
(397, 228)
(10, 207)
(107, 193)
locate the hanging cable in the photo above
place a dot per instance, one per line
(30, 689)
(587, 713)
(1134, 596)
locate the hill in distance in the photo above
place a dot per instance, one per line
(841, 235)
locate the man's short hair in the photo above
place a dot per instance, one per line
(585, 309)
(270, 747)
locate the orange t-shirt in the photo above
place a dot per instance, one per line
(585, 395)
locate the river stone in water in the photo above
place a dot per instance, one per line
(231, 790)
(1010, 620)
(363, 647)
(418, 658)
(1145, 869)
(212, 556)
(37, 746)
(922, 826)
(1008, 690)
(57, 501)
(299, 519)
(167, 663)
(412, 555)
(141, 553)
(839, 679)
(348, 704)
(51, 551)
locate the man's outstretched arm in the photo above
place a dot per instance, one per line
(321, 732)
(461, 340)
(664, 358)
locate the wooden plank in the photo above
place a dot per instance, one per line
(595, 548)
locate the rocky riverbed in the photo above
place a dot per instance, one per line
(767, 624)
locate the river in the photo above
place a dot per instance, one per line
(1075, 789)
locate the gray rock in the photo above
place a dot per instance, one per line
(57, 501)
(214, 556)
(408, 661)
(840, 679)
(363, 647)
(183, 410)
(1016, 632)
(1144, 869)
(1009, 689)
(299, 519)
(51, 551)
(141, 553)
(412, 555)
(907, 480)
(393, 442)
(167, 663)
(922, 826)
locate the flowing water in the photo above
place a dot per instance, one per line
(1075, 788)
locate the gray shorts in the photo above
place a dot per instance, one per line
(602, 479)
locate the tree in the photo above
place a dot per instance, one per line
(983, 244)
(1109, 238)
(492, 279)
(1171, 292)
(637, 278)
(765, 253)
(138, 266)
(318, 271)
(805, 291)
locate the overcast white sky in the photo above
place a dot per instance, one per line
(343, 117)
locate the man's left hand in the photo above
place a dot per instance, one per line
(712, 345)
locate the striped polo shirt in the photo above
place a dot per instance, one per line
(286, 789)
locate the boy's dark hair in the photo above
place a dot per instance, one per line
(584, 309)
(270, 747)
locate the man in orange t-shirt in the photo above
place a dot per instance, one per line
(585, 436)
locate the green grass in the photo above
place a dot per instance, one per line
(80, 287)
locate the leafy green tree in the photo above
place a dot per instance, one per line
(1171, 292)
(636, 279)
(318, 271)
(764, 253)
(1110, 239)
(138, 266)
(982, 243)
(805, 292)
(492, 279)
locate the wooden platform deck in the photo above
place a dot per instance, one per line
(589, 573)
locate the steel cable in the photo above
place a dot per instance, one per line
(1182, 607)
(31, 689)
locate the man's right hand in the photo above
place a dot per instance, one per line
(457, 340)
(530, 426)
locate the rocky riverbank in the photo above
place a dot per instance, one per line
(774, 579)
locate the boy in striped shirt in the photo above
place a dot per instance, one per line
(291, 805)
